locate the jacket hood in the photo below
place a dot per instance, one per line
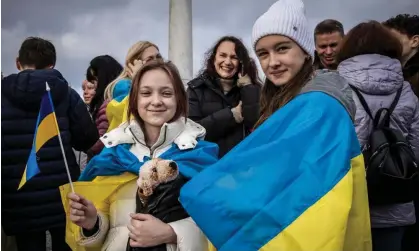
(373, 74)
(25, 89)
(331, 83)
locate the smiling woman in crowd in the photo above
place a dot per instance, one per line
(224, 98)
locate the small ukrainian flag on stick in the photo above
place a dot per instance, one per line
(46, 129)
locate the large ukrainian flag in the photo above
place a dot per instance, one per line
(46, 128)
(297, 183)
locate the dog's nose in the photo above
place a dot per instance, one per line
(173, 165)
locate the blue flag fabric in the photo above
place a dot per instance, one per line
(296, 183)
(46, 129)
(118, 159)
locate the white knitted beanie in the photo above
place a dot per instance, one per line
(287, 18)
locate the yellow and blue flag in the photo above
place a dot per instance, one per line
(117, 108)
(46, 128)
(296, 183)
(116, 167)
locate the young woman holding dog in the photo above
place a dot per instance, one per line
(157, 128)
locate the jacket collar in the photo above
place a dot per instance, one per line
(183, 132)
(214, 84)
(168, 133)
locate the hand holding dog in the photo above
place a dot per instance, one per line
(148, 231)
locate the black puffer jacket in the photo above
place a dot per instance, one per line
(37, 205)
(211, 108)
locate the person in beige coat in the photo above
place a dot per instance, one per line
(158, 107)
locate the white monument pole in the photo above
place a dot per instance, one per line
(180, 37)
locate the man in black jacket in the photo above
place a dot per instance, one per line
(36, 207)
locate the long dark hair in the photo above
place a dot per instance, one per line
(246, 62)
(103, 69)
(274, 97)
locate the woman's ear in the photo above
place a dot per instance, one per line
(18, 65)
(414, 41)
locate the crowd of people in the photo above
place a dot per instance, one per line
(133, 113)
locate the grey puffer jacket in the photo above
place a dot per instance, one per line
(379, 77)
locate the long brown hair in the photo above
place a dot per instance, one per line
(180, 94)
(369, 38)
(274, 97)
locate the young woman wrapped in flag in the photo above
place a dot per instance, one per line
(102, 209)
(298, 181)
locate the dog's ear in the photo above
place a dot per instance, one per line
(167, 171)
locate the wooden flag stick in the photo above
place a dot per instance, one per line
(61, 143)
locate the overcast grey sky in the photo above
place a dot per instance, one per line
(82, 29)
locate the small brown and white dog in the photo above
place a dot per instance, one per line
(153, 173)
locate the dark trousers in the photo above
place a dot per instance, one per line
(387, 239)
(36, 241)
(411, 236)
(410, 239)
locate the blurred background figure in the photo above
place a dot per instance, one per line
(327, 36)
(89, 91)
(406, 28)
(101, 72)
(372, 66)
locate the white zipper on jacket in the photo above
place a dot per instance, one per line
(156, 148)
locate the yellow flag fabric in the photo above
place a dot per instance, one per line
(98, 191)
(116, 113)
(355, 236)
(116, 110)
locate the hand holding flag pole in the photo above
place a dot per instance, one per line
(46, 129)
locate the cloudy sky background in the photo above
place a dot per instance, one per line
(82, 29)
